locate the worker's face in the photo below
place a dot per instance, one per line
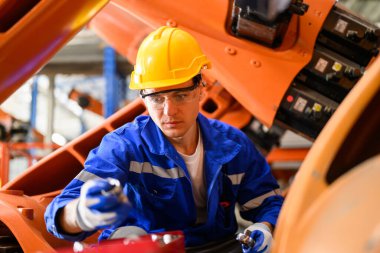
(174, 109)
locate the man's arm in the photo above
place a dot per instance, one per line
(101, 204)
(67, 218)
(61, 215)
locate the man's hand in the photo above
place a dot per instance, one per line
(261, 237)
(101, 204)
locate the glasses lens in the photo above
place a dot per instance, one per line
(176, 97)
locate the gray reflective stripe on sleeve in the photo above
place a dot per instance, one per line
(155, 170)
(84, 176)
(253, 203)
(236, 178)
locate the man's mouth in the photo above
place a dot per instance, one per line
(171, 123)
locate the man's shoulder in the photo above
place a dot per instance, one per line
(136, 125)
(226, 128)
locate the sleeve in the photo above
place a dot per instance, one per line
(259, 196)
(109, 159)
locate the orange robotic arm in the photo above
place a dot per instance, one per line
(293, 74)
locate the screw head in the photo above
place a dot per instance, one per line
(230, 50)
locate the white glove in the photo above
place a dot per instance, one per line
(262, 237)
(101, 204)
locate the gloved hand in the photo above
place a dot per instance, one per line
(262, 237)
(101, 204)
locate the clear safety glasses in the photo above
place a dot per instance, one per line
(178, 96)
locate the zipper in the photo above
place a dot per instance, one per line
(211, 187)
(188, 179)
(214, 179)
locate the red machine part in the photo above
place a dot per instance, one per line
(172, 242)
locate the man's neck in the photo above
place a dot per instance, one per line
(188, 143)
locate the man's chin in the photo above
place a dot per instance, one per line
(173, 133)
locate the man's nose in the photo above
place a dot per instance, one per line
(169, 107)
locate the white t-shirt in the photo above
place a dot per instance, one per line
(194, 164)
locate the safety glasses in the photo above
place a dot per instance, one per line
(178, 96)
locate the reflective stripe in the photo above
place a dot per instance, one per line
(253, 203)
(84, 176)
(155, 170)
(236, 178)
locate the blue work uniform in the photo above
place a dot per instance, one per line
(158, 185)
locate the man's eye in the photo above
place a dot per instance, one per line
(157, 99)
(181, 96)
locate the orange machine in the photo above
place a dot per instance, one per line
(308, 67)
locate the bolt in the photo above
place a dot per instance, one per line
(230, 50)
(255, 63)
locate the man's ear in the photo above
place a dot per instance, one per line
(202, 93)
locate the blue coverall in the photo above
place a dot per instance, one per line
(157, 182)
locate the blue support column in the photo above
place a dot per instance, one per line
(33, 112)
(111, 98)
(122, 90)
(33, 106)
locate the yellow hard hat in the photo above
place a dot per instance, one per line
(167, 56)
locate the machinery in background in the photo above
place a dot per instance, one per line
(16, 142)
(345, 46)
(264, 22)
(277, 65)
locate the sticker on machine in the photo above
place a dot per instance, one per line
(341, 26)
(300, 104)
(321, 65)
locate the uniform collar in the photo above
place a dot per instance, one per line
(217, 145)
(158, 144)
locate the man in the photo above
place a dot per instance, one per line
(177, 169)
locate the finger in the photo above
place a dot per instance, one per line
(97, 186)
(103, 203)
(262, 250)
(102, 219)
(259, 240)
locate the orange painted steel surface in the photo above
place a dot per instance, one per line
(345, 218)
(123, 31)
(248, 71)
(37, 35)
(4, 163)
(310, 182)
(287, 154)
(23, 216)
(219, 104)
